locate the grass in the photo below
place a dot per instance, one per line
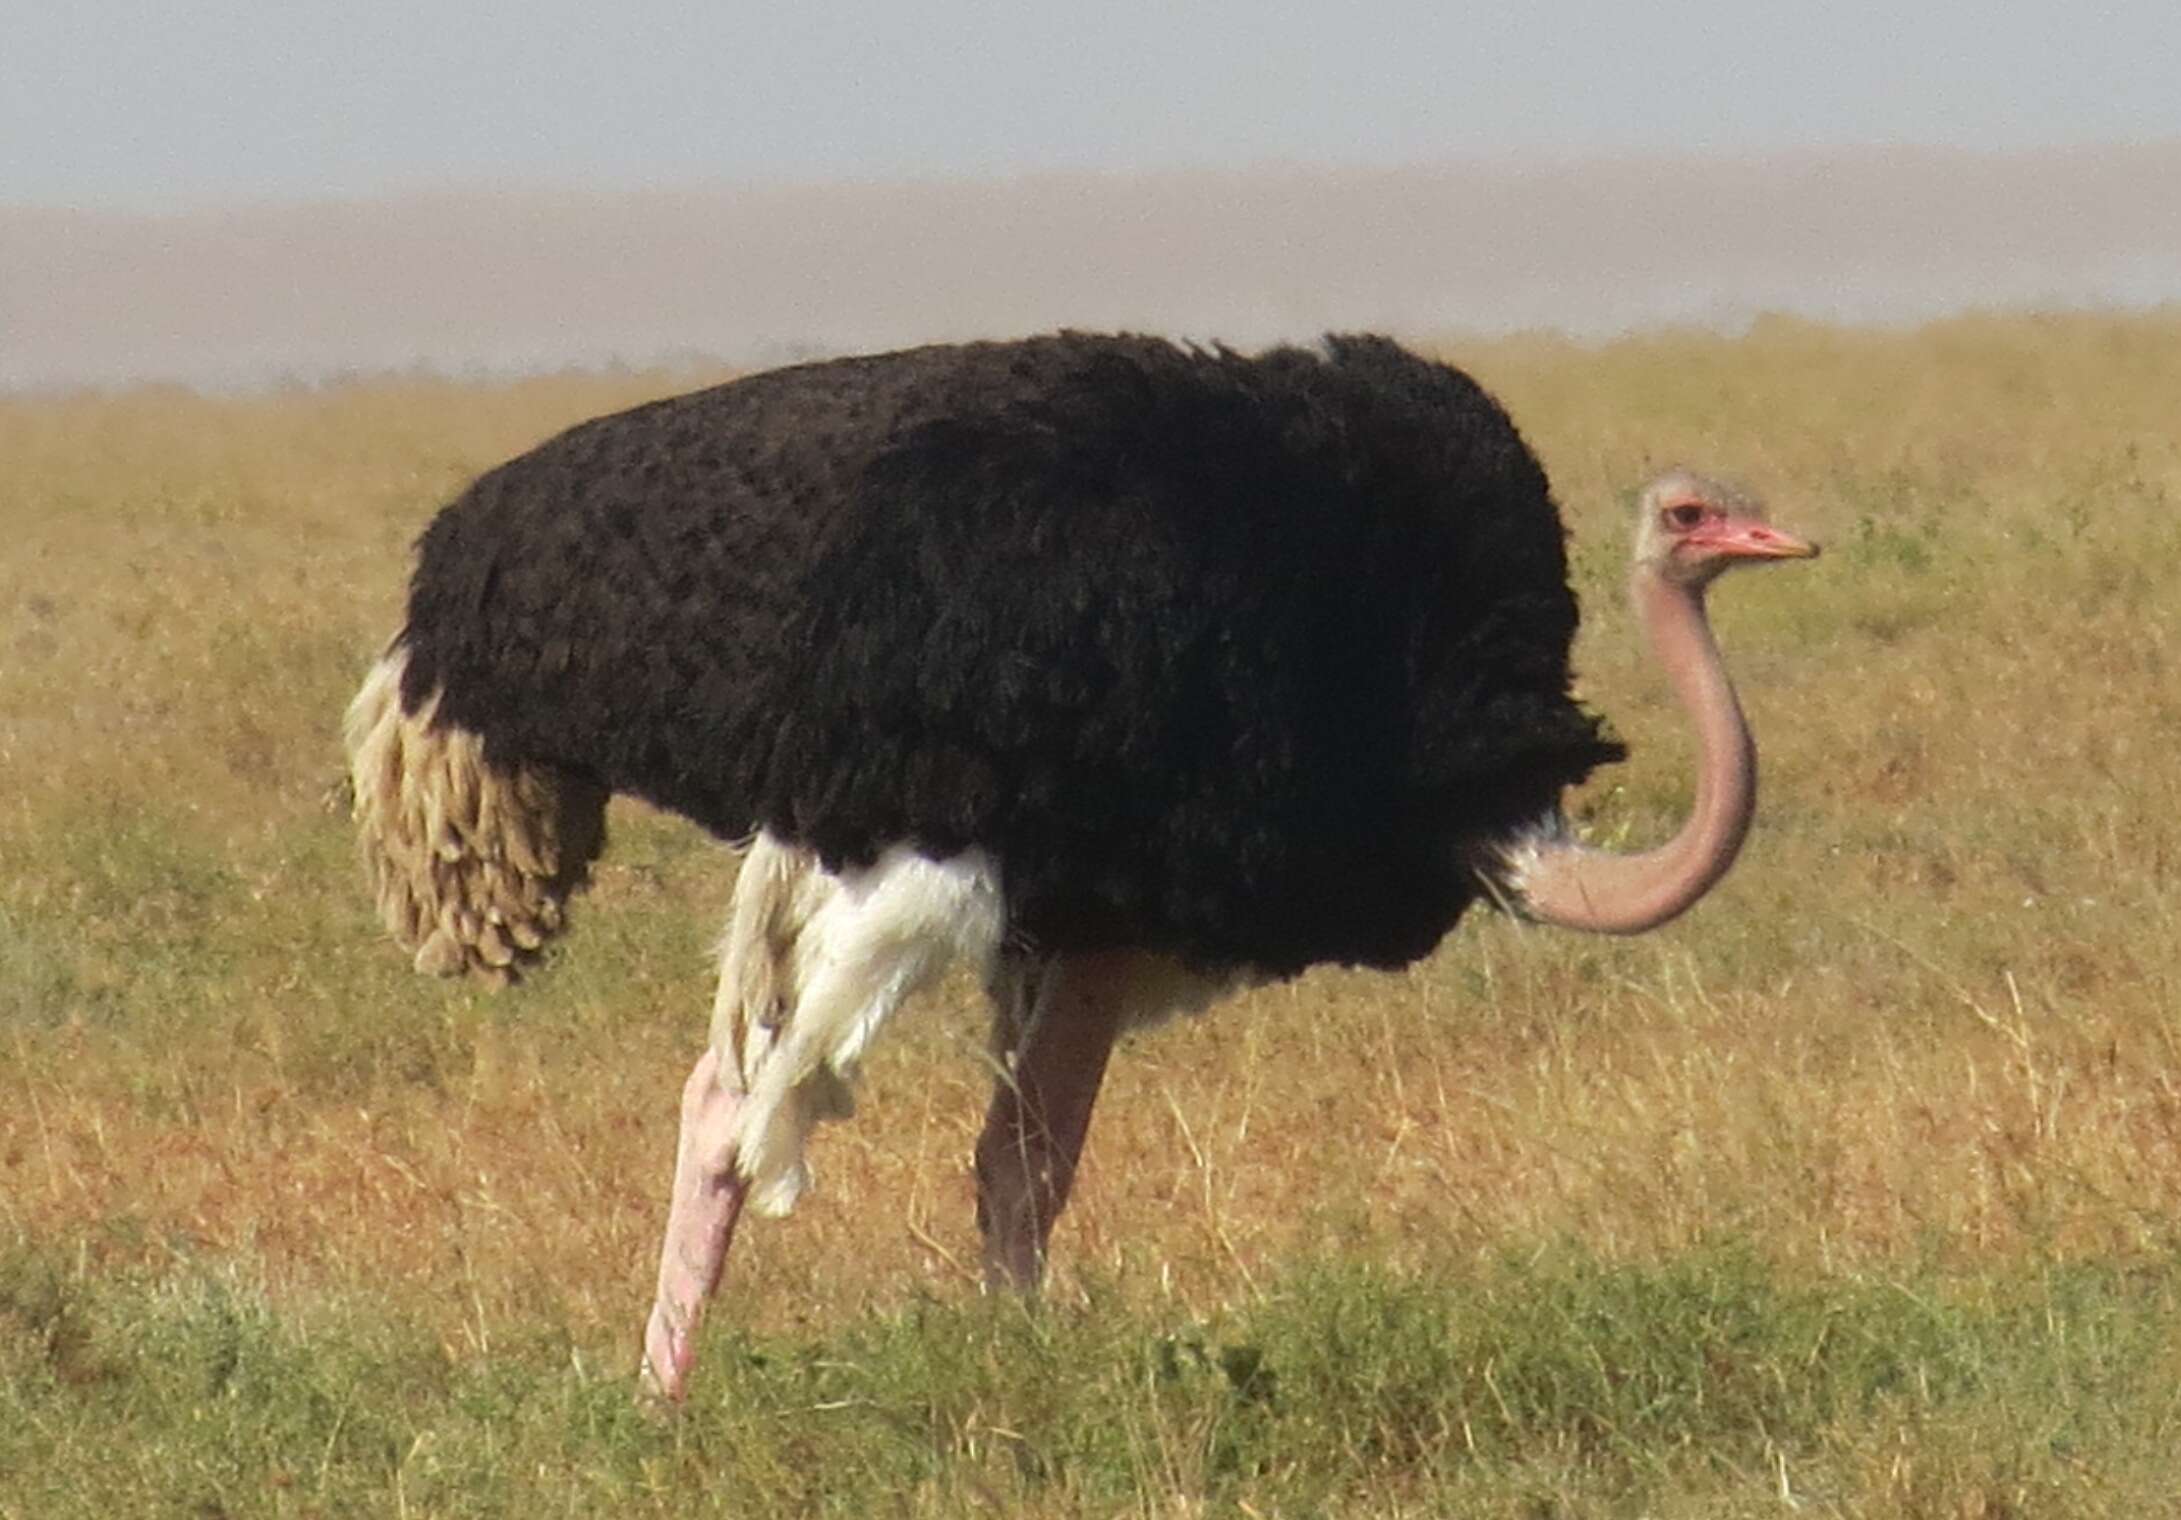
(1549, 1383)
(1853, 1192)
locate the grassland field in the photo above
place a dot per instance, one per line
(1853, 1193)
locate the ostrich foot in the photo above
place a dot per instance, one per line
(700, 1224)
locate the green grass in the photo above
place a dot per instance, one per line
(1549, 1384)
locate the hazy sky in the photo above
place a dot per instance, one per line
(149, 105)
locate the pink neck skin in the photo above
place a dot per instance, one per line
(1562, 882)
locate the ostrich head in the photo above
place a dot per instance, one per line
(1689, 530)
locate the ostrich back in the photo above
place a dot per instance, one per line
(1237, 659)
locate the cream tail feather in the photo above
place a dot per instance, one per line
(471, 864)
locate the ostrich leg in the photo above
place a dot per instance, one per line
(1057, 1020)
(812, 966)
(700, 1224)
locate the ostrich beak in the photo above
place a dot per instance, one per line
(1746, 538)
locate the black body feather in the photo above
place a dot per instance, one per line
(1237, 659)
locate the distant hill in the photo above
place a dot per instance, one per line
(522, 279)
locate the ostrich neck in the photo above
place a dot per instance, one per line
(1577, 888)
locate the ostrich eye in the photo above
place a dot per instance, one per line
(1686, 514)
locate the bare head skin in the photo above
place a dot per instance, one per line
(1689, 531)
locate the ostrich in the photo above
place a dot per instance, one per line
(1130, 672)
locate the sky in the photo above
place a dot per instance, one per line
(159, 107)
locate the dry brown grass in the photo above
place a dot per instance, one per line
(1933, 1014)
